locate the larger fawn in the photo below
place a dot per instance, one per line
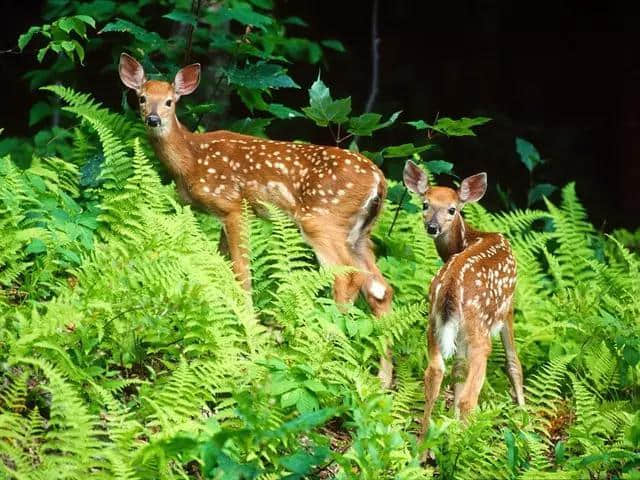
(333, 195)
(471, 296)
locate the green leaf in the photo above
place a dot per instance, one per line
(419, 124)
(456, 128)
(538, 191)
(365, 124)
(280, 387)
(512, 449)
(251, 126)
(295, 21)
(151, 39)
(36, 246)
(631, 355)
(86, 19)
(314, 385)
(41, 53)
(25, 38)
(261, 76)
(307, 402)
(323, 109)
(245, 15)
(280, 111)
(290, 398)
(439, 166)
(404, 150)
(333, 45)
(182, 16)
(528, 154)
(560, 452)
(65, 24)
(39, 111)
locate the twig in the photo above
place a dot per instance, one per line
(196, 11)
(375, 58)
(395, 216)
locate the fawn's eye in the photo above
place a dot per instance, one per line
(168, 103)
(142, 99)
(452, 210)
(425, 206)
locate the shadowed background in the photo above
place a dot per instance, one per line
(564, 75)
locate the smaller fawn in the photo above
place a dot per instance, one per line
(471, 296)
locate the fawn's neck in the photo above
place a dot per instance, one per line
(456, 239)
(172, 147)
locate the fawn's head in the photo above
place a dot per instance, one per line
(441, 205)
(157, 99)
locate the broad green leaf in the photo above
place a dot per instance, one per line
(282, 386)
(244, 14)
(66, 24)
(528, 154)
(538, 191)
(41, 53)
(323, 109)
(307, 402)
(86, 19)
(251, 126)
(419, 124)
(333, 45)
(261, 76)
(295, 21)
(455, 128)
(39, 111)
(182, 16)
(25, 38)
(291, 397)
(36, 246)
(151, 39)
(365, 124)
(314, 385)
(439, 166)
(631, 355)
(404, 150)
(280, 111)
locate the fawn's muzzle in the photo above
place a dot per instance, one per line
(432, 228)
(153, 120)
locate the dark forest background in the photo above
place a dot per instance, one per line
(564, 75)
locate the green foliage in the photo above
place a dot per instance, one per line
(129, 351)
(59, 35)
(327, 112)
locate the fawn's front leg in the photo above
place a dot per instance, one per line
(235, 233)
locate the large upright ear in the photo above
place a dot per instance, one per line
(131, 72)
(414, 178)
(473, 188)
(187, 80)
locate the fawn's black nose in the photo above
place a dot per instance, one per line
(153, 120)
(432, 228)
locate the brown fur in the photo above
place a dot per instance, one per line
(471, 295)
(334, 195)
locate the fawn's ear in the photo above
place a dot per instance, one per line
(414, 178)
(473, 188)
(131, 72)
(187, 80)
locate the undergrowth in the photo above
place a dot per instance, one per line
(128, 351)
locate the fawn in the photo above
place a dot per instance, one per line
(471, 296)
(335, 196)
